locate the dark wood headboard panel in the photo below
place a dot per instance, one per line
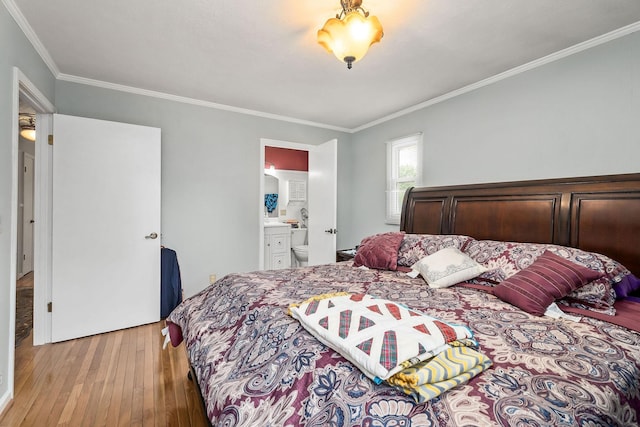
(598, 214)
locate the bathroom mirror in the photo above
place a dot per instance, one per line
(271, 185)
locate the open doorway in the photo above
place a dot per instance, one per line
(286, 178)
(321, 199)
(25, 220)
(26, 93)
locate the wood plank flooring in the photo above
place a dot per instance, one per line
(122, 378)
(25, 281)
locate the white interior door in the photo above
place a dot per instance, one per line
(323, 161)
(27, 214)
(106, 208)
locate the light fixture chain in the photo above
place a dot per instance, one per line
(351, 6)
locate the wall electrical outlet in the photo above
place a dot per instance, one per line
(1, 379)
(283, 212)
(212, 278)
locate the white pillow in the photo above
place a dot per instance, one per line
(447, 267)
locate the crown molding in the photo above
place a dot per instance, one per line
(193, 101)
(17, 15)
(596, 41)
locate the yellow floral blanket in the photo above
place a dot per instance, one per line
(450, 368)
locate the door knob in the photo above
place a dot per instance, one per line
(331, 231)
(152, 236)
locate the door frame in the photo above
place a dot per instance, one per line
(22, 86)
(266, 142)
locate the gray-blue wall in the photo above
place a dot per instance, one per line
(577, 116)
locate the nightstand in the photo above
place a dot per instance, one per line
(345, 254)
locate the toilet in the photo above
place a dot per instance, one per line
(299, 246)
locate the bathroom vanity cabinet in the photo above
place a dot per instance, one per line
(277, 246)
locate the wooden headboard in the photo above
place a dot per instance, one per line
(597, 214)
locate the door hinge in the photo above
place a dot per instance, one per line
(49, 307)
(50, 139)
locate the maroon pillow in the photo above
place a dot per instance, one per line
(550, 277)
(379, 251)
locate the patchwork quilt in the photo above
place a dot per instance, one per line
(388, 341)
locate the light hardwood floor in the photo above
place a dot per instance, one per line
(25, 281)
(122, 378)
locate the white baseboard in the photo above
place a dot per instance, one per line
(4, 401)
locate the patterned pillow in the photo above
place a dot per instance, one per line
(414, 247)
(447, 267)
(549, 278)
(504, 259)
(379, 251)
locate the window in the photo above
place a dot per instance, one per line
(404, 170)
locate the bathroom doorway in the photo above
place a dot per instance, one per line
(318, 212)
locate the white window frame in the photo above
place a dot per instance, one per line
(394, 207)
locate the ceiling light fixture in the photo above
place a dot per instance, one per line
(27, 126)
(350, 33)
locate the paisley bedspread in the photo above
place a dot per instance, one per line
(256, 366)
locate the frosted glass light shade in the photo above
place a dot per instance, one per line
(28, 133)
(349, 39)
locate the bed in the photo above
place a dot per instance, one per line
(256, 365)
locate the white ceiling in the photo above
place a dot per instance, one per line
(263, 55)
